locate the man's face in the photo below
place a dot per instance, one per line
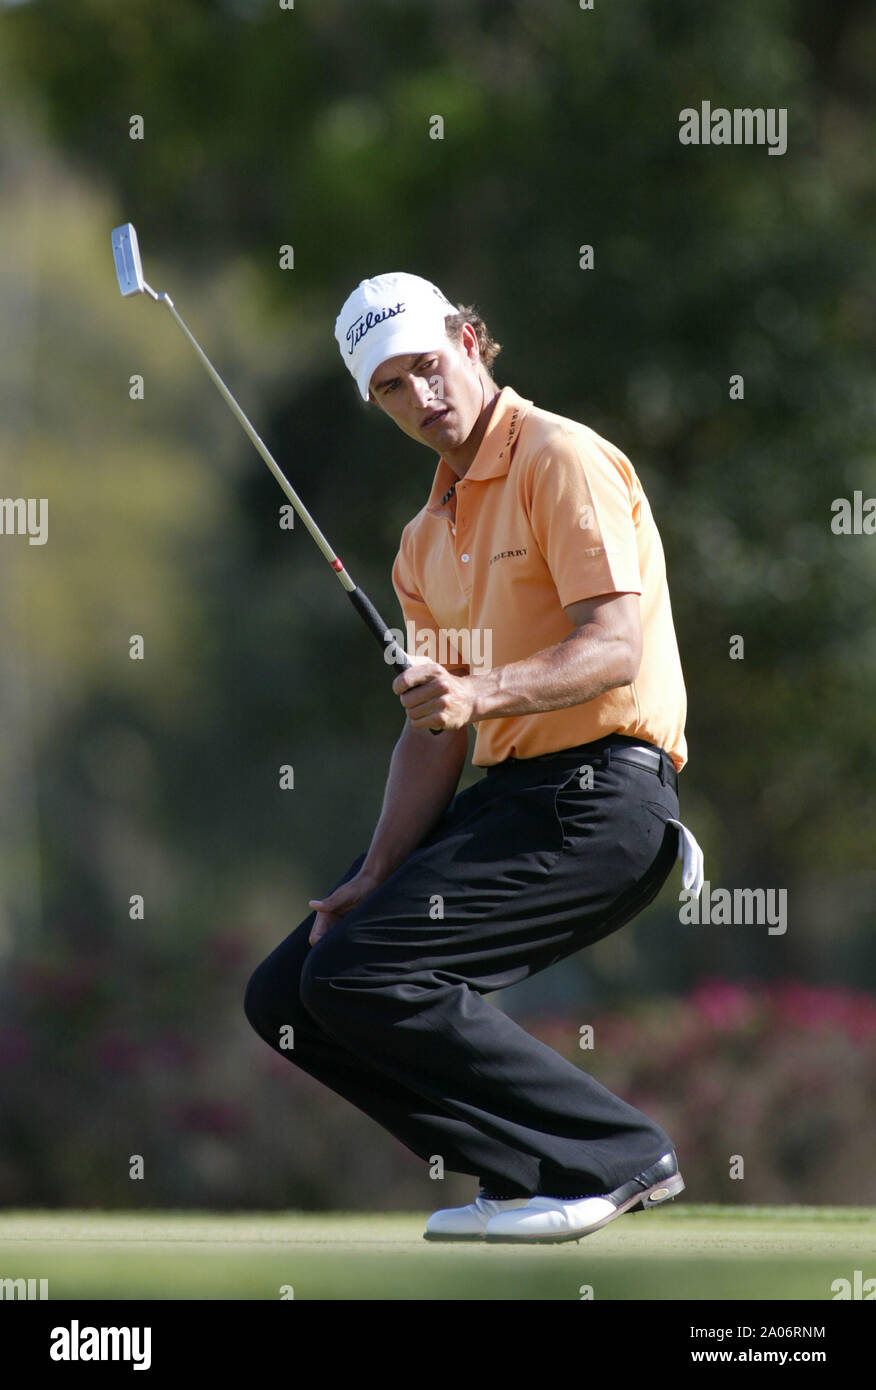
(435, 397)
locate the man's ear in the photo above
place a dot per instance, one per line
(469, 341)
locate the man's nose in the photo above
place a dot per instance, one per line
(422, 391)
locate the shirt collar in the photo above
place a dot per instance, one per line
(493, 457)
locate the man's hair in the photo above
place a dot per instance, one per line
(488, 347)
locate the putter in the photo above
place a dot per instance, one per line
(129, 269)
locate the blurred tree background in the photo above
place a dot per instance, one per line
(309, 127)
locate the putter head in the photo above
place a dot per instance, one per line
(126, 252)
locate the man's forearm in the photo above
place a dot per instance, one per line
(423, 775)
(585, 664)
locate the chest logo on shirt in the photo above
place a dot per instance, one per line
(507, 554)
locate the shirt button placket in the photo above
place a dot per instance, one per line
(464, 557)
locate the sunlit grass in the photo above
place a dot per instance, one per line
(692, 1252)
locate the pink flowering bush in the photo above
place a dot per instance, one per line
(102, 1058)
(781, 1075)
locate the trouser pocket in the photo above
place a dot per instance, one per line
(688, 850)
(640, 894)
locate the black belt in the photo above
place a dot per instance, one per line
(614, 748)
(650, 758)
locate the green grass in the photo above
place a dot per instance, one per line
(684, 1252)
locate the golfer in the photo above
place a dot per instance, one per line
(533, 589)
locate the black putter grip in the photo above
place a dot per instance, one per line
(375, 624)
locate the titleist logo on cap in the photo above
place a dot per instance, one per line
(360, 326)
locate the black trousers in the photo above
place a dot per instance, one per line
(524, 868)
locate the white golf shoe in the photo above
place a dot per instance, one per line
(468, 1223)
(544, 1220)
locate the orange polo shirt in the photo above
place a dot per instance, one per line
(547, 514)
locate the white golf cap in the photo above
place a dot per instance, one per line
(386, 316)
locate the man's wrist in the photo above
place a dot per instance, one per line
(376, 868)
(486, 695)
